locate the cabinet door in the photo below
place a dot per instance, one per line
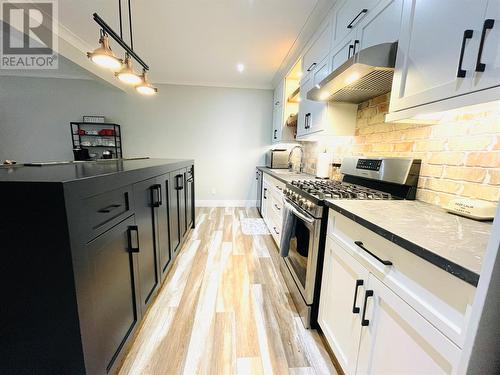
(318, 50)
(348, 15)
(342, 290)
(114, 289)
(164, 224)
(490, 55)
(433, 39)
(189, 198)
(266, 203)
(395, 339)
(342, 51)
(324, 68)
(147, 195)
(277, 123)
(382, 25)
(173, 210)
(181, 201)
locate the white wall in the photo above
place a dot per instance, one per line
(225, 130)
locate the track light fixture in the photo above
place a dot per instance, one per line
(127, 73)
(146, 88)
(104, 56)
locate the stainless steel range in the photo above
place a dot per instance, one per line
(378, 178)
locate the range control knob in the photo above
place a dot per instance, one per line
(302, 202)
(308, 206)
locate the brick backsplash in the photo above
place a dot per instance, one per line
(460, 155)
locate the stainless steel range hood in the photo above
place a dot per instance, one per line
(364, 76)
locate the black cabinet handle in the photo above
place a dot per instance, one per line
(156, 195)
(257, 175)
(365, 322)
(178, 186)
(133, 241)
(265, 191)
(277, 207)
(356, 42)
(467, 35)
(277, 103)
(307, 121)
(488, 25)
(275, 231)
(384, 262)
(108, 209)
(363, 11)
(275, 131)
(355, 310)
(311, 67)
(351, 47)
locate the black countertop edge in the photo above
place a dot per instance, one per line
(456, 270)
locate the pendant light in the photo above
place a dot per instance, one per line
(104, 56)
(127, 73)
(146, 88)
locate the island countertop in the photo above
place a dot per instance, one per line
(453, 243)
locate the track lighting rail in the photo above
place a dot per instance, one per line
(111, 33)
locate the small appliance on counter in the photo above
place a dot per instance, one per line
(472, 208)
(277, 158)
(81, 154)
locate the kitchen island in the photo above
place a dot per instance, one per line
(85, 249)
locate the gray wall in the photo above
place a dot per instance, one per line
(225, 130)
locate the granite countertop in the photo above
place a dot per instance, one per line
(453, 243)
(77, 171)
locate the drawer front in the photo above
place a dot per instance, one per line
(275, 226)
(105, 210)
(427, 288)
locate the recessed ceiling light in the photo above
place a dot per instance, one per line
(240, 68)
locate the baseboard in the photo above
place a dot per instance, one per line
(226, 203)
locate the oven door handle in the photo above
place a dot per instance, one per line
(302, 216)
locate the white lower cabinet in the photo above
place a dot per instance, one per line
(342, 288)
(397, 340)
(371, 329)
(272, 205)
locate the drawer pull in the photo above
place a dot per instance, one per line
(277, 187)
(277, 207)
(384, 262)
(133, 241)
(363, 11)
(365, 322)
(275, 231)
(108, 209)
(156, 195)
(488, 25)
(311, 67)
(355, 309)
(467, 35)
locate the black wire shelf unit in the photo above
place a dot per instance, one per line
(97, 137)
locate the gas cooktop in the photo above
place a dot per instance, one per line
(338, 190)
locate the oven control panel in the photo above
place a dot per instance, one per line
(369, 164)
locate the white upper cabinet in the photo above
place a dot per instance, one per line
(395, 339)
(438, 49)
(278, 115)
(487, 70)
(348, 15)
(319, 48)
(381, 25)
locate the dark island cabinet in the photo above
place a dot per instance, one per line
(85, 248)
(148, 201)
(114, 278)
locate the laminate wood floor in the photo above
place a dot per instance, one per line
(224, 309)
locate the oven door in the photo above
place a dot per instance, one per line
(302, 256)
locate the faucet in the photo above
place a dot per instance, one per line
(290, 164)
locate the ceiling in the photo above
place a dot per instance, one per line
(200, 42)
